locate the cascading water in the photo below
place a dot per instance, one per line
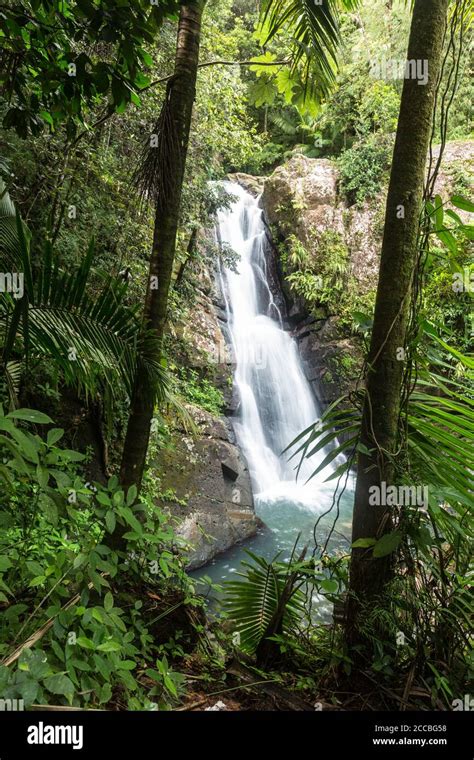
(276, 402)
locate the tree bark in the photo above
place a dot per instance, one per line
(190, 252)
(380, 422)
(181, 95)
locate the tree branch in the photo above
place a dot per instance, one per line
(220, 63)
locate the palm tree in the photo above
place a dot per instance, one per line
(91, 337)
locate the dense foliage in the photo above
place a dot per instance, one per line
(97, 607)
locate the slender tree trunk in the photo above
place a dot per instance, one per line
(380, 424)
(190, 252)
(181, 95)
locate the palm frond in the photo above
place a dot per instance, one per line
(13, 372)
(91, 336)
(440, 432)
(314, 29)
(9, 244)
(253, 602)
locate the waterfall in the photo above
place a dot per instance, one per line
(276, 401)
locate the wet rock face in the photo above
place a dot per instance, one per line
(253, 185)
(209, 476)
(203, 469)
(301, 198)
(329, 361)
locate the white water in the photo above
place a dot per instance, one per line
(276, 402)
(276, 406)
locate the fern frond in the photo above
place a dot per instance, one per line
(253, 602)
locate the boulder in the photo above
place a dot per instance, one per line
(207, 485)
(253, 185)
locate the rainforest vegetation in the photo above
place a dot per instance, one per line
(120, 119)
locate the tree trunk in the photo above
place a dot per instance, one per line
(181, 94)
(380, 423)
(190, 253)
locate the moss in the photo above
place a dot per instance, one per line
(461, 179)
(345, 366)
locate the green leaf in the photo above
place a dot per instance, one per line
(154, 675)
(28, 688)
(37, 581)
(146, 57)
(5, 563)
(135, 99)
(28, 445)
(387, 544)
(108, 601)
(85, 643)
(103, 499)
(364, 543)
(102, 666)
(266, 59)
(170, 685)
(131, 519)
(54, 436)
(42, 475)
(80, 664)
(110, 520)
(109, 646)
(47, 117)
(97, 614)
(118, 498)
(439, 212)
(34, 567)
(132, 495)
(34, 662)
(49, 508)
(5, 474)
(105, 694)
(463, 203)
(60, 684)
(455, 217)
(30, 415)
(262, 92)
(285, 83)
(127, 665)
(330, 586)
(448, 239)
(72, 456)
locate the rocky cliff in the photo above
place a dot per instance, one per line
(302, 202)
